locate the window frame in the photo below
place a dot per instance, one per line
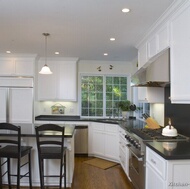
(104, 90)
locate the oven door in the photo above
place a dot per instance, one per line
(136, 169)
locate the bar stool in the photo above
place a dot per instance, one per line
(50, 145)
(10, 141)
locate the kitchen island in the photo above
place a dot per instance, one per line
(52, 166)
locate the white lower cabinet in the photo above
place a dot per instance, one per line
(105, 140)
(166, 174)
(153, 179)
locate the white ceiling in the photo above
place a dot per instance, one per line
(78, 28)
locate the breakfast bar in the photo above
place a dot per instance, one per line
(29, 139)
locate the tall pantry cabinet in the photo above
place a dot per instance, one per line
(16, 89)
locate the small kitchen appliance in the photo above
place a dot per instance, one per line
(169, 130)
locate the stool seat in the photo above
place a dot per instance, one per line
(51, 152)
(11, 151)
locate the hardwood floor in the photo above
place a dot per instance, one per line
(90, 177)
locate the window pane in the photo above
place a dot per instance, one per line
(117, 92)
(92, 95)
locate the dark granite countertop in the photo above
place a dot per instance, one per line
(171, 150)
(75, 118)
(125, 124)
(69, 131)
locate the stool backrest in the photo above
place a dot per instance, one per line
(50, 135)
(10, 135)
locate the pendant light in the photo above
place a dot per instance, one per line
(45, 69)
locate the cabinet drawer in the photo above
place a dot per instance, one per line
(98, 126)
(122, 133)
(111, 128)
(122, 144)
(156, 162)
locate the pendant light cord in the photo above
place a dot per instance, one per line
(46, 35)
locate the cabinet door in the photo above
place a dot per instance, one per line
(142, 94)
(98, 143)
(67, 81)
(152, 46)
(163, 38)
(21, 105)
(24, 67)
(7, 67)
(153, 180)
(180, 56)
(47, 84)
(142, 55)
(112, 146)
(111, 141)
(3, 96)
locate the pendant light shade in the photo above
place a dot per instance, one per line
(45, 69)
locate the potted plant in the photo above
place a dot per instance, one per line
(124, 106)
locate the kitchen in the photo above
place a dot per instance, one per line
(165, 33)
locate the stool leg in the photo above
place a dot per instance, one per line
(1, 183)
(18, 173)
(61, 173)
(65, 171)
(41, 173)
(29, 168)
(8, 172)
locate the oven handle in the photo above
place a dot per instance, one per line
(139, 157)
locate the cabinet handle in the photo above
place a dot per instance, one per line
(153, 161)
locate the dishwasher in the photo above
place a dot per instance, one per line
(81, 140)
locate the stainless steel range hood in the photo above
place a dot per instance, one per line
(154, 74)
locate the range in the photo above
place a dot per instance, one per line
(136, 138)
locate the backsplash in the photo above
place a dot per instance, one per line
(179, 114)
(45, 107)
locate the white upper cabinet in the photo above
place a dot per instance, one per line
(17, 66)
(158, 42)
(142, 55)
(62, 84)
(163, 38)
(152, 46)
(180, 56)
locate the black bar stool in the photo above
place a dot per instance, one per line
(50, 145)
(11, 149)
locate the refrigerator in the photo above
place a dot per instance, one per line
(16, 101)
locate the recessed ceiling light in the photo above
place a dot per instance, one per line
(105, 54)
(8, 52)
(112, 39)
(125, 10)
(56, 52)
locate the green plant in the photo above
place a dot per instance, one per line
(124, 105)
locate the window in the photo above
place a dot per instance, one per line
(100, 94)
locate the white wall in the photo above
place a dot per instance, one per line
(87, 66)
